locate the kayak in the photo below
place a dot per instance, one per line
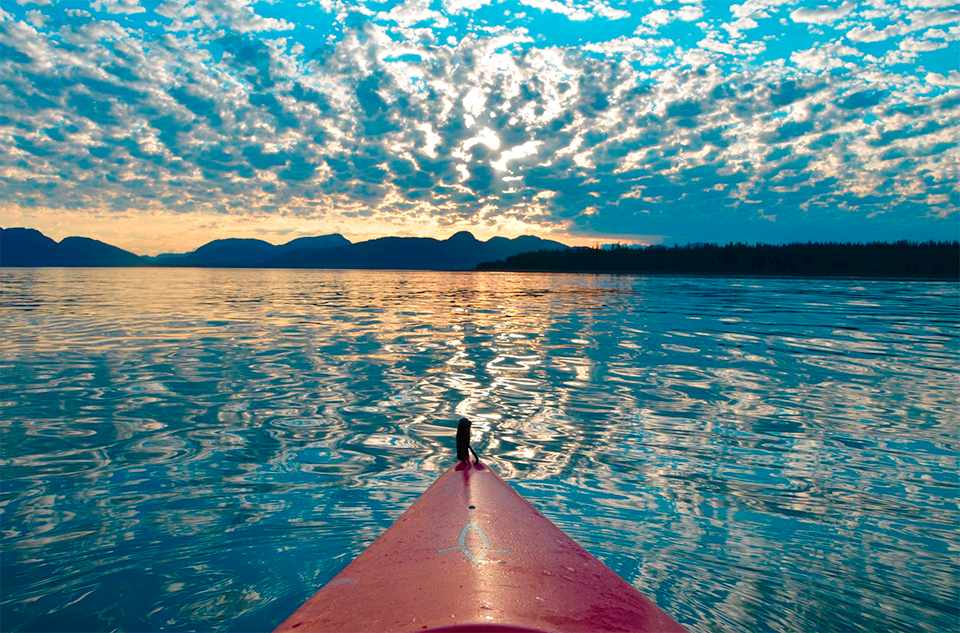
(471, 554)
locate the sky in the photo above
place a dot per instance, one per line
(160, 125)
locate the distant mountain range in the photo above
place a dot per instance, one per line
(460, 252)
(233, 252)
(29, 247)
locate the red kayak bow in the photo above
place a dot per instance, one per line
(471, 554)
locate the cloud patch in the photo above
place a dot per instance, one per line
(822, 14)
(118, 6)
(674, 121)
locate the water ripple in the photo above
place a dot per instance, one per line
(769, 455)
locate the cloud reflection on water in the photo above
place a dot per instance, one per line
(755, 454)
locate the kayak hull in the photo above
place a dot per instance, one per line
(471, 554)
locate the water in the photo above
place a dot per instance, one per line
(202, 449)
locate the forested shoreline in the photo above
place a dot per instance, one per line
(874, 259)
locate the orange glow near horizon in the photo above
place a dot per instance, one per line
(154, 232)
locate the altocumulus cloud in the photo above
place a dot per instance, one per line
(766, 120)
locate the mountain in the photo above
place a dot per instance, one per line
(83, 251)
(247, 252)
(460, 252)
(323, 241)
(29, 247)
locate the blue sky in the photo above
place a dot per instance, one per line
(159, 125)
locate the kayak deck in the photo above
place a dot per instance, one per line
(471, 554)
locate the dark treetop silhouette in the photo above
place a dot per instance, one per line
(880, 259)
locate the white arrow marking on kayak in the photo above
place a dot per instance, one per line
(469, 551)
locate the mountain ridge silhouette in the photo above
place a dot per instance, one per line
(30, 247)
(461, 251)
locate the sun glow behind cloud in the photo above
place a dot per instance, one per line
(771, 120)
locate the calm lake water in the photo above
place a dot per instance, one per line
(202, 449)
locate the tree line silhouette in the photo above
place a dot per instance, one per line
(873, 259)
